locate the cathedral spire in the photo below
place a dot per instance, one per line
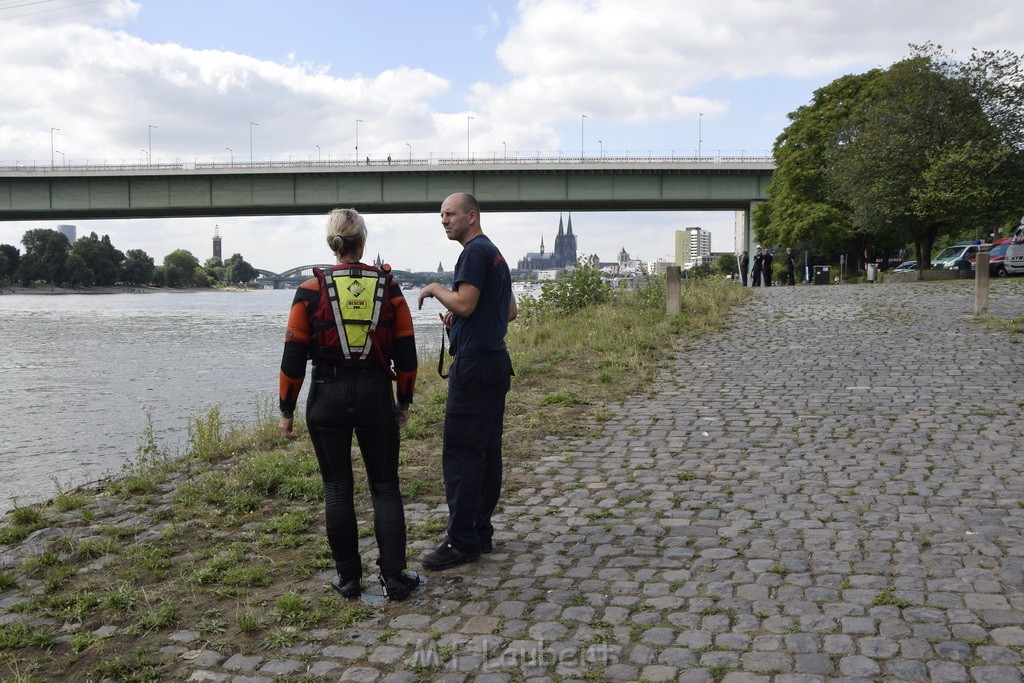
(569, 232)
(561, 229)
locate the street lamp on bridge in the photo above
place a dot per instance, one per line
(52, 130)
(149, 155)
(318, 153)
(251, 124)
(63, 161)
(583, 117)
(409, 145)
(358, 121)
(232, 153)
(468, 119)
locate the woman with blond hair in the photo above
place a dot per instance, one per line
(353, 322)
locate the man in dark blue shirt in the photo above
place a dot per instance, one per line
(480, 306)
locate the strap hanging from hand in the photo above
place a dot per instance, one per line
(440, 356)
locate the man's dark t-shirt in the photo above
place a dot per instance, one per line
(481, 264)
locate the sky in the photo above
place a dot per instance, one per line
(180, 80)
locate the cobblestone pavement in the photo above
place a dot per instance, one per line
(832, 488)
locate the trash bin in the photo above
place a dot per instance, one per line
(821, 275)
(872, 271)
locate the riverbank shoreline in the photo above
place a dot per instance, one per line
(113, 289)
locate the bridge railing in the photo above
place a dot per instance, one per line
(517, 158)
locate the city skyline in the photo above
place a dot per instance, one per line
(325, 80)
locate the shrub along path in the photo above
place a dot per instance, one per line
(830, 487)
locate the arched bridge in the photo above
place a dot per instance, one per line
(289, 279)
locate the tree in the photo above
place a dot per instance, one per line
(214, 268)
(927, 148)
(801, 211)
(924, 137)
(237, 270)
(727, 264)
(9, 258)
(180, 268)
(101, 258)
(46, 255)
(700, 271)
(77, 272)
(137, 268)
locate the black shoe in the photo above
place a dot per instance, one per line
(349, 588)
(399, 586)
(486, 547)
(447, 556)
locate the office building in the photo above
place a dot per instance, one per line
(693, 245)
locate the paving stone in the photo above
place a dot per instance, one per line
(859, 666)
(240, 662)
(995, 674)
(280, 667)
(360, 674)
(947, 672)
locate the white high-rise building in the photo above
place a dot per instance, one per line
(693, 245)
(740, 232)
(68, 231)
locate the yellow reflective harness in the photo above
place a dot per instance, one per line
(347, 318)
(356, 295)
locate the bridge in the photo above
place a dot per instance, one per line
(293, 277)
(523, 183)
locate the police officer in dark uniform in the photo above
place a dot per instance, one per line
(758, 263)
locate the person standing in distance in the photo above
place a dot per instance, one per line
(744, 266)
(756, 272)
(766, 268)
(790, 266)
(480, 306)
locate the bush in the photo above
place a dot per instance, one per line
(577, 289)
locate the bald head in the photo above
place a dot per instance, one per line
(460, 216)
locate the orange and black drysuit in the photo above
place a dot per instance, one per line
(353, 395)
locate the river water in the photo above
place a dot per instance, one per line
(80, 373)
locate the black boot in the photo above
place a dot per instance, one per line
(399, 585)
(349, 588)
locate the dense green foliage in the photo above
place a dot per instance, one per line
(93, 260)
(928, 149)
(578, 288)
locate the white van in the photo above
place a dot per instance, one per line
(950, 257)
(1014, 262)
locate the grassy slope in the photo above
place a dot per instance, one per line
(220, 541)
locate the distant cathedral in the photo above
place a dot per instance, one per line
(563, 255)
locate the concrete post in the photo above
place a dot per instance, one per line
(981, 283)
(673, 291)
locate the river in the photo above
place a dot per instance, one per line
(80, 374)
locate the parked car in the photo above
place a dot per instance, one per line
(996, 257)
(1014, 261)
(950, 257)
(906, 266)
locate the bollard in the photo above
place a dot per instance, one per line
(981, 283)
(673, 291)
